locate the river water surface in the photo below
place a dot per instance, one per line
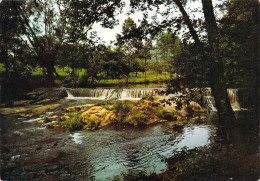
(32, 152)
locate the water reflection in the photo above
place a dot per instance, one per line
(115, 152)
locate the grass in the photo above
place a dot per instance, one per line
(140, 78)
(61, 71)
(151, 77)
(74, 123)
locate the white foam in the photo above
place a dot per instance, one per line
(77, 138)
(32, 120)
(15, 157)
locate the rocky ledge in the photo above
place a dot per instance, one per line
(143, 112)
(148, 110)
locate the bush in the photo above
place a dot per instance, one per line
(74, 123)
(140, 116)
(92, 124)
(101, 103)
(122, 108)
(148, 97)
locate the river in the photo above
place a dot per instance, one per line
(32, 152)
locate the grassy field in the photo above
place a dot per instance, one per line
(38, 71)
(61, 71)
(151, 77)
(140, 78)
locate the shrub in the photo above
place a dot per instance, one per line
(74, 123)
(122, 108)
(92, 124)
(148, 97)
(140, 116)
(101, 103)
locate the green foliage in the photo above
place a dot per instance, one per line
(74, 123)
(92, 124)
(220, 162)
(148, 97)
(122, 108)
(140, 117)
(102, 103)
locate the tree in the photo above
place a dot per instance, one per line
(169, 47)
(239, 45)
(217, 83)
(212, 60)
(131, 41)
(11, 51)
(41, 43)
(49, 26)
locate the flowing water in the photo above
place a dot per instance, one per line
(32, 152)
(237, 102)
(112, 93)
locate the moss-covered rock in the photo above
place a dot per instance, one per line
(99, 115)
(41, 110)
(196, 107)
(78, 108)
(13, 110)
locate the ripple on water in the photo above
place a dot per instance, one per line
(77, 138)
(111, 153)
(32, 120)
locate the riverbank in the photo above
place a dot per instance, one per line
(56, 111)
(150, 139)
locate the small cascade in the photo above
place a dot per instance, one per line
(234, 100)
(109, 94)
(209, 101)
(138, 93)
(70, 96)
(100, 94)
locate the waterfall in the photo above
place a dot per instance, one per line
(138, 93)
(99, 93)
(108, 94)
(234, 100)
(209, 101)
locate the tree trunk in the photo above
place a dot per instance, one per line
(145, 69)
(217, 83)
(50, 76)
(188, 22)
(219, 90)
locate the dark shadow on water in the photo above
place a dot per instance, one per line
(234, 155)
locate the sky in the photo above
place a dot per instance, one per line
(108, 35)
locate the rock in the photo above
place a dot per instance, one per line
(53, 124)
(52, 118)
(183, 112)
(196, 107)
(64, 118)
(169, 116)
(198, 96)
(40, 110)
(144, 114)
(41, 121)
(78, 108)
(14, 110)
(22, 102)
(45, 101)
(99, 115)
(47, 93)
(48, 119)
